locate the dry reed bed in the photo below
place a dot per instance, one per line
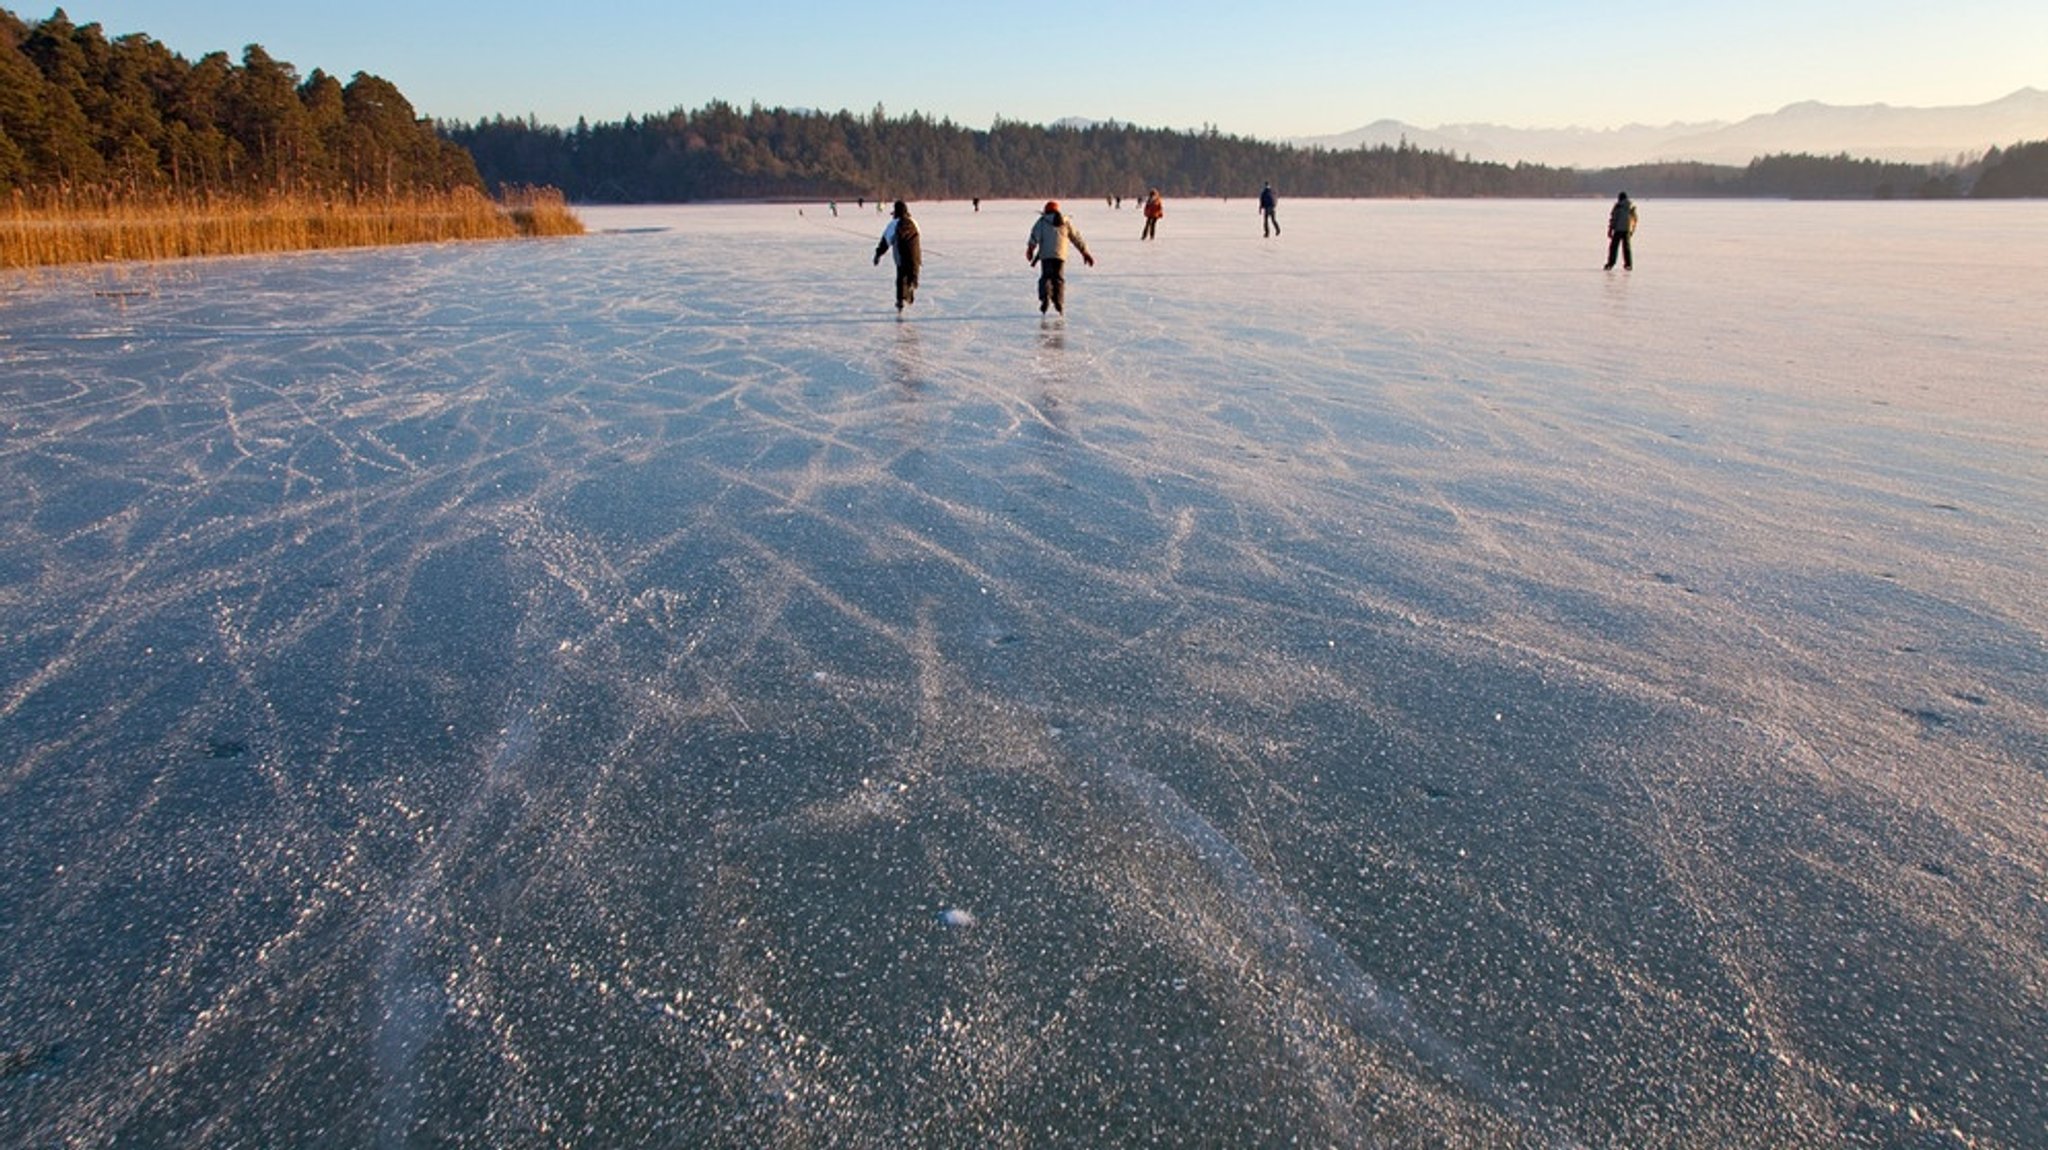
(71, 228)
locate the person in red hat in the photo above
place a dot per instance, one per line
(1050, 239)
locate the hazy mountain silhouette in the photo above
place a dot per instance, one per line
(1871, 131)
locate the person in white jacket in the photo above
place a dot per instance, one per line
(901, 233)
(1051, 237)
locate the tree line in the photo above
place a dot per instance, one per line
(2017, 172)
(129, 117)
(1795, 176)
(720, 152)
(2021, 170)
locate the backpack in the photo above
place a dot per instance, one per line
(1623, 218)
(909, 252)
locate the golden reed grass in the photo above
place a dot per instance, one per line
(72, 227)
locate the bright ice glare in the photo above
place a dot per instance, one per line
(1393, 683)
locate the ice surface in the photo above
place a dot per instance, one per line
(1395, 683)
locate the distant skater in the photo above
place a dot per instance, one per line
(1050, 238)
(1154, 208)
(1621, 228)
(901, 233)
(1269, 212)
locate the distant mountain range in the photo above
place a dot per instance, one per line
(1867, 131)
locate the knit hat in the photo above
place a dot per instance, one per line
(1052, 205)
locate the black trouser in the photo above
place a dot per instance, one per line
(1271, 222)
(906, 284)
(1052, 284)
(1617, 241)
(1151, 225)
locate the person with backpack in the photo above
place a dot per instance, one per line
(1621, 227)
(1154, 209)
(1269, 212)
(1051, 237)
(901, 233)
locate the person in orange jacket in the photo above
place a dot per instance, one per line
(1154, 208)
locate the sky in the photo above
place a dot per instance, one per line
(1271, 70)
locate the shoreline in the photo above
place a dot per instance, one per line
(72, 230)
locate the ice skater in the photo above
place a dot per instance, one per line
(1269, 212)
(1050, 238)
(1154, 209)
(901, 233)
(1621, 230)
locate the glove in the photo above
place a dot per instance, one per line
(1087, 259)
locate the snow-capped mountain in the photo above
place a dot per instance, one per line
(1871, 131)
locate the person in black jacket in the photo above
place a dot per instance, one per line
(1621, 226)
(1269, 208)
(901, 233)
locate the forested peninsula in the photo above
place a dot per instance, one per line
(122, 149)
(722, 152)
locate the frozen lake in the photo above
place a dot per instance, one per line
(1394, 684)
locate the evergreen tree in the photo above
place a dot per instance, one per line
(60, 146)
(2021, 170)
(129, 117)
(327, 121)
(23, 98)
(264, 116)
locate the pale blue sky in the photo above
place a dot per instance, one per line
(1258, 69)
